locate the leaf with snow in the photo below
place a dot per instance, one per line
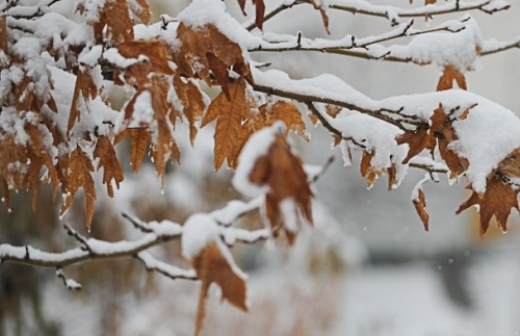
(213, 263)
(192, 101)
(498, 200)
(205, 49)
(267, 165)
(80, 176)
(84, 90)
(449, 75)
(108, 161)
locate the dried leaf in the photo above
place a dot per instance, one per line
(288, 201)
(288, 113)
(39, 157)
(143, 11)
(323, 13)
(156, 51)
(84, 90)
(108, 161)
(230, 115)
(139, 138)
(259, 14)
(457, 165)
(212, 266)
(498, 200)
(449, 75)
(420, 206)
(3, 33)
(336, 140)
(80, 176)
(193, 102)
(116, 16)
(421, 139)
(163, 146)
(314, 120)
(509, 167)
(197, 43)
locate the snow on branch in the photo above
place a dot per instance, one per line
(154, 234)
(394, 13)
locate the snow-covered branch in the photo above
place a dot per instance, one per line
(394, 13)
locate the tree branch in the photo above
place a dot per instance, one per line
(305, 98)
(430, 10)
(283, 6)
(349, 42)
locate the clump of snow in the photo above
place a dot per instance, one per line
(199, 230)
(458, 49)
(257, 146)
(203, 12)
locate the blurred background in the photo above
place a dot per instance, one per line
(367, 269)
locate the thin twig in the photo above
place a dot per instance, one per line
(430, 10)
(274, 12)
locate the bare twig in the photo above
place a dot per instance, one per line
(69, 283)
(283, 6)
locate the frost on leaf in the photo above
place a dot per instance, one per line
(206, 49)
(288, 197)
(108, 161)
(80, 176)
(498, 200)
(212, 266)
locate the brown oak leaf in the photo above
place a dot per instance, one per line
(288, 113)
(3, 33)
(449, 75)
(192, 101)
(371, 174)
(498, 200)
(205, 49)
(139, 138)
(423, 138)
(80, 176)
(288, 201)
(230, 115)
(84, 90)
(39, 157)
(420, 206)
(212, 266)
(108, 161)
(156, 51)
(323, 12)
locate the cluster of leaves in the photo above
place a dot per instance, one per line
(164, 68)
